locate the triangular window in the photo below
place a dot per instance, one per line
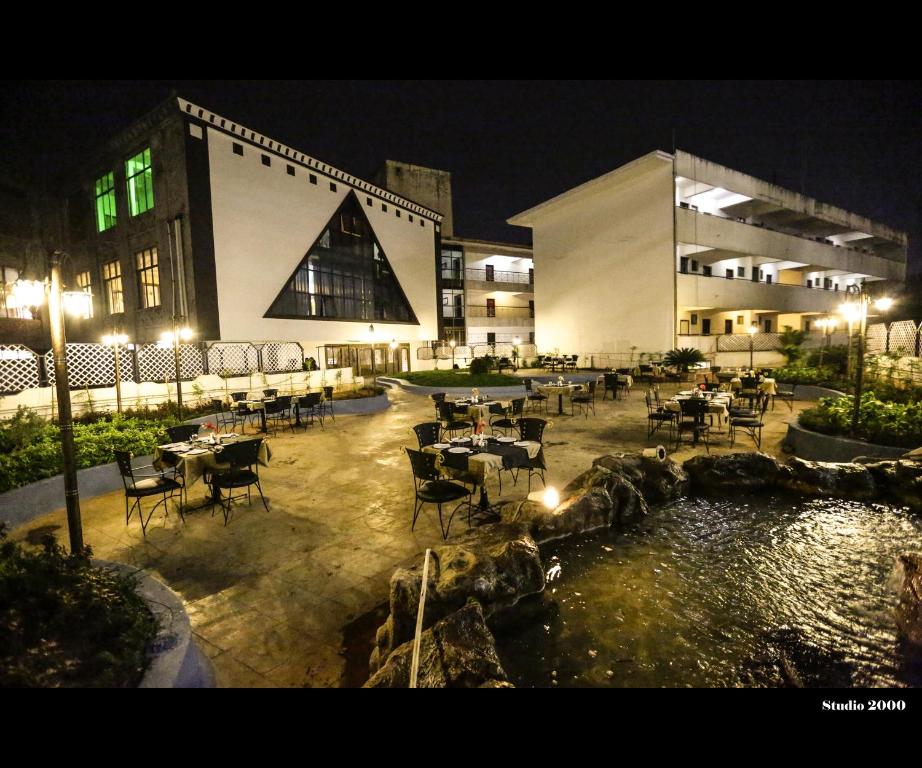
(344, 276)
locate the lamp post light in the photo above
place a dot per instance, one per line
(173, 339)
(752, 330)
(33, 293)
(116, 341)
(828, 324)
(515, 351)
(855, 310)
(452, 343)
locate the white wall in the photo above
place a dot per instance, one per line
(264, 223)
(605, 265)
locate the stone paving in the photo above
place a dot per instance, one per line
(270, 595)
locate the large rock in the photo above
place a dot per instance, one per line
(900, 480)
(658, 481)
(909, 609)
(497, 565)
(825, 478)
(456, 652)
(732, 472)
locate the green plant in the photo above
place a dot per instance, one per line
(792, 342)
(481, 365)
(64, 623)
(683, 358)
(887, 423)
(339, 378)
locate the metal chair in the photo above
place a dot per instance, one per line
(611, 385)
(657, 417)
(693, 410)
(509, 419)
(430, 488)
(785, 395)
(238, 396)
(309, 405)
(751, 425)
(326, 404)
(427, 433)
(270, 392)
(533, 430)
(277, 411)
(223, 417)
(145, 485)
(535, 398)
(242, 472)
(437, 398)
(450, 424)
(182, 433)
(585, 399)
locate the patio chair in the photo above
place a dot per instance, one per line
(182, 433)
(785, 395)
(437, 397)
(751, 425)
(238, 396)
(309, 405)
(451, 424)
(427, 433)
(533, 429)
(532, 397)
(242, 472)
(584, 399)
(326, 404)
(611, 385)
(693, 410)
(146, 485)
(570, 361)
(509, 419)
(278, 411)
(223, 418)
(430, 488)
(658, 417)
(270, 392)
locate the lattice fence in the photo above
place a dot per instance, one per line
(739, 342)
(876, 339)
(903, 335)
(281, 357)
(20, 368)
(232, 358)
(92, 365)
(157, 363)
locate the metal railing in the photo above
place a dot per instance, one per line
(834, 288)
(480, 310)
(499, 276)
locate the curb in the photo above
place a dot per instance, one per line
(816, 446)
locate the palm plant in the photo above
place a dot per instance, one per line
(792, 344)
(683, 358)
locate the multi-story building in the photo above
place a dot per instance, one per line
(673, 250)
(189, 218)
(486, 288)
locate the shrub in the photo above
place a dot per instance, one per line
(481, 365)
(820, 377)
(64, 623)
(683, 358)
(792, 342)
(887, 423)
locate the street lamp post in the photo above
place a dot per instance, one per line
(174, 338)
(452, 343)
(116, 341)
(31, 293)
(856, 312)
(828, 324)
(752, 330)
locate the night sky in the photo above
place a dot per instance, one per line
(512, 144)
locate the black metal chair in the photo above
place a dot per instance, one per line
(534, 398)
(182, 433)
(451, 424)
(309, 406)
(509, 419)
(278, 411)
(693, 410)
(326, 404)
(225, 419)
(611, 385)
(270, 392)
(427, 433)
(751, 425)
(238, 396)
(437, 398)
(533, 430)
(145, 485)
(658, 417)
(749, 389)
(785, 395)
(585, 399)
(431, 488)
(569, 362)
(242, 472)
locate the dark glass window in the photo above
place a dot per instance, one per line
(266, 160)
(238, 148)
(345, 276)
(290, 169)
(313, 179)
(332, 187)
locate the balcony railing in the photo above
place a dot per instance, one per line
(499, 276)
(832, 288)
(479, 310)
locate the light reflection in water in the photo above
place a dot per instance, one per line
(721, 593)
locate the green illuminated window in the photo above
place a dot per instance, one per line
(140, 183)
(105, 202)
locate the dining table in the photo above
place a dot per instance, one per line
(718, 403)
(560, 390)
(480, 410)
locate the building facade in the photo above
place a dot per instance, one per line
(673, 250)
(189, 219)
(486, 289)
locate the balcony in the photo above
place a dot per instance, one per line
(718, 292)
(498, 280)
(500, 316)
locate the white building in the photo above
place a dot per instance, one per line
(671, 251)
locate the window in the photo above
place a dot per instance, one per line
(410, 217)
(706, 270)
(809, 283)
(332, 187)
(531, 337)
(369, 202)
(384, 207)
(491, 337)
(112, 279)
(768, 326)
(531, 308)
(768, 278)
(140, 179)
(290, 169)
(694, 319)
(741, 271)
(694, 266)
(105, 202)
(739, 319)
(8, 276)
(85, 284)
(148, 278)
(345, 276)
(683, 264)
(397, 213)
(729, 274)
(267, 161)
(238, 148)
(491, 307)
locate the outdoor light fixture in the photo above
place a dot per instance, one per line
(393, 344)
(828, 325)
(116, 341)
(33, 293)
(752, 330)
(551, 498)
(452, 343)
(77, 303)
(173, 339)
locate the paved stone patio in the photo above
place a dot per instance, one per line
(270, 595)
